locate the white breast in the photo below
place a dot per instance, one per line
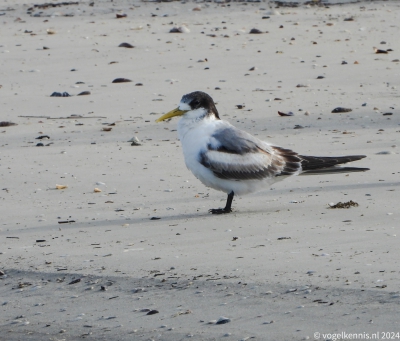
(195, 136)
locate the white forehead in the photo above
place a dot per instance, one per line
(184, 106)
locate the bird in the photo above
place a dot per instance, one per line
(233, 161)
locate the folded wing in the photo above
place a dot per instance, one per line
(233, 154)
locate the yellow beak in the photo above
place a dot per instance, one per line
(172, 113)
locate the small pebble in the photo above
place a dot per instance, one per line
(7, 124)
(121, 80)
(223, 320)
(340, 110)
(59, 94)
(135, 141)
(285, 113)
(268, 322)
(126, 45)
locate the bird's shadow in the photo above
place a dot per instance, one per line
(204, 215)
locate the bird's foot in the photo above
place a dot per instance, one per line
(220, 210)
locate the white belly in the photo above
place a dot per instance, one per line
(194, 139)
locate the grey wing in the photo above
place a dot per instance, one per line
(236, 155)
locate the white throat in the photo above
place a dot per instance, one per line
(192, 119)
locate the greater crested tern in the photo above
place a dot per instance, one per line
(231, 160)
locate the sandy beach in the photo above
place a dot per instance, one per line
(104, 240)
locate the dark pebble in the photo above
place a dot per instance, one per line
(40, 240)
(74, 281)
(174, 30)
(155, 218)
(381, 51)
(387, 114)
(42, 137)
(84, 93)
(127, 45)
(255, 31)
(298, 126)
(320, 77)
(120, 16)
(285, 114)
(59, 94)
(152, 312)
(139, 84)
(40, 144)
(7, 124)
(340, 109)
(121, 80)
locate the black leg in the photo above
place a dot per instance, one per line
(228, 206)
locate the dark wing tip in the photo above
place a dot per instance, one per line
(320, 162)
(334, 170)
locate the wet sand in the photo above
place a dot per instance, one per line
(78, 263)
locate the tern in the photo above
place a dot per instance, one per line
(231, 160)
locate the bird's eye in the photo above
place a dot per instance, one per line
(195, 103)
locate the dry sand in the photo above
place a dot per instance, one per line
(282, 266)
